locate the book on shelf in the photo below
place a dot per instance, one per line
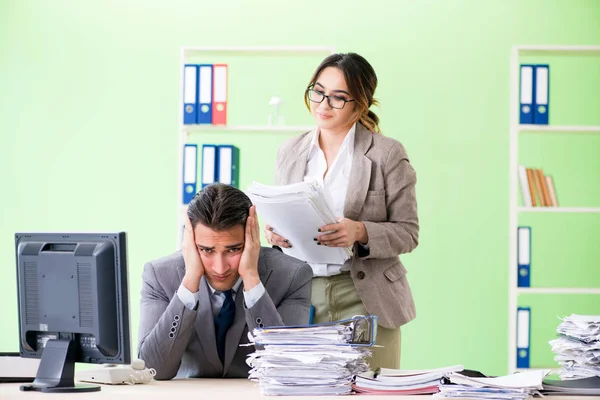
(537, 188)
(550, 184)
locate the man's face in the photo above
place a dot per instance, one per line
(220, 252)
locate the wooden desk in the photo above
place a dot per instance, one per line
(206, 389)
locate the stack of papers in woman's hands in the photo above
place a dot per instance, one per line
(578, 347)
(296, 212)
(517, 386)
(309, 360)
(407, 382)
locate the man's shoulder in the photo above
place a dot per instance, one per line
(167, 263)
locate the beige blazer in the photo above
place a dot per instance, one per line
(381, 194)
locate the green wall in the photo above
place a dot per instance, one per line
(88, 138)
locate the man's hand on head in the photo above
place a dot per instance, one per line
(248, 268)
(191, 256)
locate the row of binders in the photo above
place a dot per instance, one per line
(537, 189)
(205, 94)
(220, 163)
(535, 94)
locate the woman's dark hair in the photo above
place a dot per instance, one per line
(219, 207)
(361, 80)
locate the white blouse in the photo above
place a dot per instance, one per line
(336, 183)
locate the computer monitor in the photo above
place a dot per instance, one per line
(73, 304)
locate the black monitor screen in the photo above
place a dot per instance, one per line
(73, 299)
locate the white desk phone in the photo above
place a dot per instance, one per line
(113, 374)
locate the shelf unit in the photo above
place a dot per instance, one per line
(191, 129)
(590, 210)
(557, 290)
(185, 131)
(559, 128)
(514, 210)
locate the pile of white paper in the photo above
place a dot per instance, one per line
(296, 212)
(307, 335)
(403, 382)
(313, 360)
(578, 347)
(517, 386)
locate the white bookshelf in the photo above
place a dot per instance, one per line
(190, 129)
(591, 210)
(555, 49)
(517, 129)
(557, 290)
(187, 53)
(560, 128)
(195, 51)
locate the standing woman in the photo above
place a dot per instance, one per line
(372, 184)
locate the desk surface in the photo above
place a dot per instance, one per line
(218, 389)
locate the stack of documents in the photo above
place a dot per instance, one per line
(296, 212)
(311, 360)
(407, 382)
(578, 347)
(511, 387)
(573, 387)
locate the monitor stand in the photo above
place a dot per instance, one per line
(56, 372)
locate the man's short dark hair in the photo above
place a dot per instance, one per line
(219, 207)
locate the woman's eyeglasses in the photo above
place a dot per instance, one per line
(334, 101)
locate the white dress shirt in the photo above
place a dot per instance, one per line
(336, 183)
(217, 297)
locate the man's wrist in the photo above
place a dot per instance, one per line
(252, 296)
(191, 282)
(250, 281)
(189, 299)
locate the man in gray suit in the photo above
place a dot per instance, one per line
(198, 304)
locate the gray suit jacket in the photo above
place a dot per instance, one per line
(381, 193)
(177, 341)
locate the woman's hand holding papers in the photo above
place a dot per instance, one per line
(248, 268)
(275, 239)
(343, 234)
(191, 257)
